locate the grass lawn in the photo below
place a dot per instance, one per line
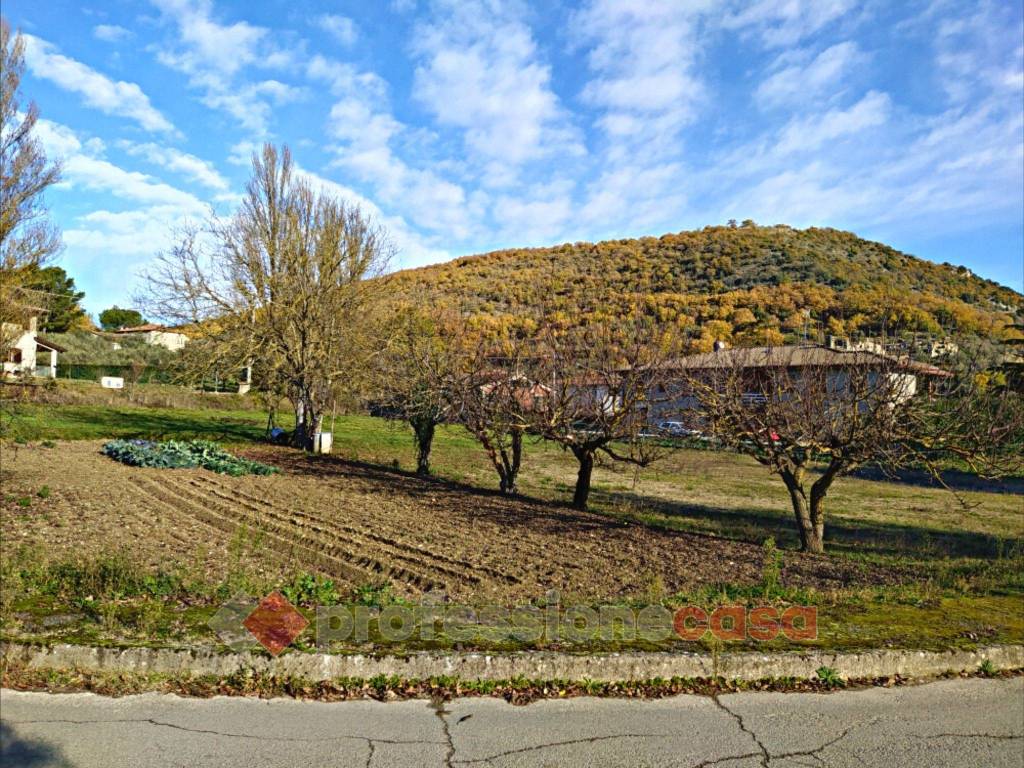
(32, 422)
(967, 554)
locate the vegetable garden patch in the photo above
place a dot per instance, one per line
(175, 454)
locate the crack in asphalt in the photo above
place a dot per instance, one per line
(438, 706)
(227, 734)
(765, 756)
(1002, 736)
(567, 742)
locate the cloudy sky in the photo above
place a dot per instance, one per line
(470, 125)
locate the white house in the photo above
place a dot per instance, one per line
(157, 335)
(27, 353)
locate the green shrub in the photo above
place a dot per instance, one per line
(830, 677)
(175, 454)
(307, 589)
(109, 577)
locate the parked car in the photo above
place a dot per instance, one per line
(676, 429)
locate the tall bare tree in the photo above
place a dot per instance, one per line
(599, 394)
(282, 286)
(812, 415)
(27, 236)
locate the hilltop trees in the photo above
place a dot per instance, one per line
(754, 283)
(282, 287)
(27, 237)
(115, 317)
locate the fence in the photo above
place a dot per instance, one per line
(141, 375)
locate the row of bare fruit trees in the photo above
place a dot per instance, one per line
(291, 287)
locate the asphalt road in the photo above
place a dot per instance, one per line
(973, 722)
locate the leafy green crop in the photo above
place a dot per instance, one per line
(175, 454)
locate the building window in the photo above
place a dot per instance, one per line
(14, 356)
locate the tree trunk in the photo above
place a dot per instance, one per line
(811, 529)
(582, 493)
(307, 423)
(424, 429)
(511, 459)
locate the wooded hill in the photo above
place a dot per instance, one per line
(744, 284)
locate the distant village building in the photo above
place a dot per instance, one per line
(27, 353)
(156, 335)
(759, 365)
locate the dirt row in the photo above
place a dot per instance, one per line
(363, 524)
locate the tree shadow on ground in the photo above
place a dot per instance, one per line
(729, 558)
(139, 423)
(954, 479)
(22, 751)
(892, 539)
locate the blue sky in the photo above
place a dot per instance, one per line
(470, 125)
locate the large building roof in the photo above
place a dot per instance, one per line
(146, 328)
(797, 356)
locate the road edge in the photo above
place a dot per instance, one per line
(530, 665)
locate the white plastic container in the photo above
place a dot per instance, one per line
(112, 382)
(324, 443)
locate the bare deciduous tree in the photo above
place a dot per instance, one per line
(599, 394)
(494, 400)
(27, 237)
(796, 416)
(418, 358)
(282, 286)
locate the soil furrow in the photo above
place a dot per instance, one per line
(229, 524)
(285, 529)
(402, 550)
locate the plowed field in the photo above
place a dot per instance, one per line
(364, 524)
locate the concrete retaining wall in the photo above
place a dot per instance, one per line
(537, 665)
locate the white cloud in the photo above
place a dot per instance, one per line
(97, 174)
(536, 216)
(786, 22)
(479, 70)
(110, 33)
(796, 83)
(241, 152)
(253, 105)
(809, 134)
(412, 248)
(58, 141)
(171, 159)
(215, 55)
(980, 51)
(109, 96)
(104, 244)
(644, 58)
(342, 28)
(210, 49)
(957, 168)
(364, 128)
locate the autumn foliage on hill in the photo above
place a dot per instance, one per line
(744, 284)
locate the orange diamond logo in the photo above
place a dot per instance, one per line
(275, 623)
